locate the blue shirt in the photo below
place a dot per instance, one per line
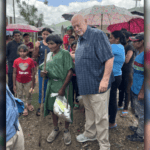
(138, 75)
(147, 103)
(93, 50)
(42, 48)
(119, 53)
(12, 115)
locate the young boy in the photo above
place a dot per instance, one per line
(137, 89)
(11, 55)
(29, 44)
(66, 37)
(71, 39)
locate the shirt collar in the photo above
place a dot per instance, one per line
(85, 35)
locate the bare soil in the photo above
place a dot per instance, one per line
(117, 136)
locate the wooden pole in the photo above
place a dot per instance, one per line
(14, 11)
(41, 112)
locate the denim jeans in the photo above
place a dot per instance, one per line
(139, 111)
(40, 86)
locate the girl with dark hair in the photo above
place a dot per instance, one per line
(39, 53)
(23, 77)
(59, 73)
(127, 76)
(117, 40)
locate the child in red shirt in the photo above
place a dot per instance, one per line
(66, 37)
(23, 77)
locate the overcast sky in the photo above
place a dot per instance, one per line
(53, 12)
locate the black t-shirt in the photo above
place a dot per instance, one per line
(12, 54)
(128, 67)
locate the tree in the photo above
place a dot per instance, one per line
(46, 2)
(29, 13)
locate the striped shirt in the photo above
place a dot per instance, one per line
(138, 76)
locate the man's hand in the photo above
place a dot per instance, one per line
(43, 74)
(141, 96)
(61, 92)
(14, 89)
(72, 54)
(103, 86)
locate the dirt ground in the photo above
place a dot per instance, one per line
(30, 126)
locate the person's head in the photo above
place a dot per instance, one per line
(79, 24)
(54, 42)
(45, 33)
(23, 51)
(8, 38)
(138, 41)
(17, 35)
(124, 30)
(74, 45)
(127, 35)
(40, 38)
(117, 37)
(69, 30)
(26, 37)
(108, 35)
(71, 39)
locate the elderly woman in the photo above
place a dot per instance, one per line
(59, 72)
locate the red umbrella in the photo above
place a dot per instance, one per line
(22, 28)
(135, 25)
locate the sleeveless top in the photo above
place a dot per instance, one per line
(42, 48)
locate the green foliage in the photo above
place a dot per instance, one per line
(30, 14)
(46, 2)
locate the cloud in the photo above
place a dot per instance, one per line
(54, 14)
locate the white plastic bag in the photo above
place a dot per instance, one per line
(60, 107)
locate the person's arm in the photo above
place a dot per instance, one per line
(128, 56)
(141, 93)
(147, 136)
(105, 55)
(67, 80)
(35, 53)
(7, 50)
(14, 79)
(72, 54)
(31, 49)
(107, 72)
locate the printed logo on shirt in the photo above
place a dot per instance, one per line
(23, 66)
(23, 72)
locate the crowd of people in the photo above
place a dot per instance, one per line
(87, 62)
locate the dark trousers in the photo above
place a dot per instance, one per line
(10, 82)
(75, 87)
(124, 90)
(113, 99)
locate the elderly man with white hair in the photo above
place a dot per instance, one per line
(94, 63)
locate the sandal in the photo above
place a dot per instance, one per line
(120, 108)
(25, 112)
(30, 107)
(38, 112)
(124, 113)
(113, 126)
(76, 106)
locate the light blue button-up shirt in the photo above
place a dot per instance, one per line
(12, 122)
